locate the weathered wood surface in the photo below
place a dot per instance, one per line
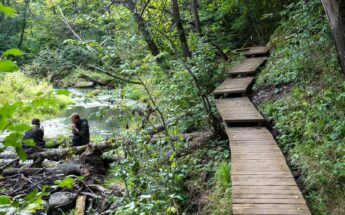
(248, 66)
(262, 182)
(253, 51)
(233, 86)
(238, 110)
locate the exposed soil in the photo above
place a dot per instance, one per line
(271, 93)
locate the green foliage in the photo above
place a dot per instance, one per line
(7, 10)
(13, 52)
(7, 66)
(220, 195)
(66, 182)
(298, 47)
(222, 176)
(151, 175)
(31, 203)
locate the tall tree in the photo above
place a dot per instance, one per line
(26, 7)
(335, 13)
(195, 12)
(180, 29)
(142, 26)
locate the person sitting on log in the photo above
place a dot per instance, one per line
(80, 130)
(37, 134)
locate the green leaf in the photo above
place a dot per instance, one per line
(5, 200)
(62, 92)
(13, 52)
(20, 127)
(66, 182)
(7, 66)
(21, 153)
(3, 121)
(7, 10)
(13, 140)
(29, 142)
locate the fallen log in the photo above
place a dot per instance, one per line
(88, 78)
(52, 153)
(64, 169)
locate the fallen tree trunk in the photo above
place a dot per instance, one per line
(88, 78)
(52, 153)
(65, 169)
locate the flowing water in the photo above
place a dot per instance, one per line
(97, 110)
(102, 118)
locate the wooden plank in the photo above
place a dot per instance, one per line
(262, 168)
(266, 188)
(264, 182)
(238, 110)
(233, 85)
(258, 155)
(272, 175)
(254, 150)
(253, 51)
(264, 192)
(248, 66)
(268, 201)
(297, 207)
(267, 196)
(253, 172)
(254, 157)
(254, 146)
(249, 134)
(253, 142)
(270, 209)
(259, 162)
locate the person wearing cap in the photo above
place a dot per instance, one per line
(80, 130)
(36, 133)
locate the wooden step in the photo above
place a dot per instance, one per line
(248, 66)
(254, 51)
(233, 86)
(238, 110)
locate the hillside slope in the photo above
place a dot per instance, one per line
(302, 90)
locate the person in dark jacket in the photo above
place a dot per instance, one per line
(80, 130)
(36, 133)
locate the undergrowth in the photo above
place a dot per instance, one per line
(309, 119)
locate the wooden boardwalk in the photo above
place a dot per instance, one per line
(262, 182)
(248, 66)
(233, 86)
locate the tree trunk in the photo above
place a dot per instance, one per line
(24, 23)
(142, 27)
(180, 29)
(59, 153)
(333, 9)
(195, 12)
(65, 169)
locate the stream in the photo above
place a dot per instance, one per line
(102, 119)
